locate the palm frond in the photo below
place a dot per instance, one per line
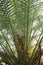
(18, 17)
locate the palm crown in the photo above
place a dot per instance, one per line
(20, 20)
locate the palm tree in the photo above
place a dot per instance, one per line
(20, 20)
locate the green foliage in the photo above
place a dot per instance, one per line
(17, 22)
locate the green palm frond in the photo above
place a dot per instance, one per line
(18, 19)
